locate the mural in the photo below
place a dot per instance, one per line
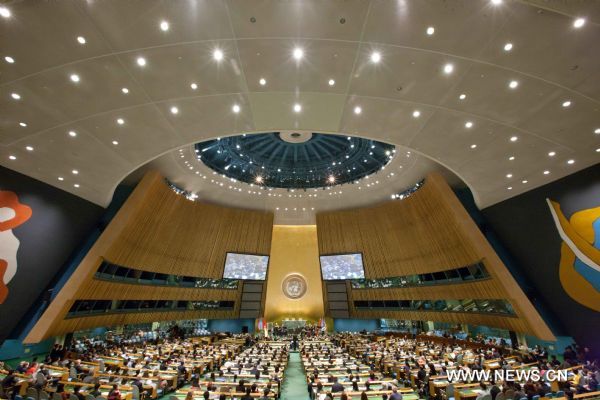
(579, 268)
(12, 214)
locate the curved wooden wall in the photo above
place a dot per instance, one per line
(429, 231)
(159, 231)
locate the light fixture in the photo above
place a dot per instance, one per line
(218, 54)
(496, 2)
(552, 154)
(448, 68)
(598, 150)
(115, 142)
(511, 158)
(5, 12)
(509, 176)
(15, 96)
(174, 110)
(235, 108)
(430, 30)
(597, 131)
(120, 121)
(416, 114)
(11, 157)
(23, 124)
(141, 61)
(164, 26)
(74, 78)
(194, 86)
(124, 90)
(75, 172)
(81, 40)
(571, 161)
(566, 103)
(331, 82)
(546, 172)
(524, 181)
(331, 179)
(298, 53)
(462, 96)
(262, 81)
(60, 178)
(357, 110)
(514, 138)
(509, 188)
(258, 179)
(508, 46)
(76, 185)
(473, 146)
(375, 57)
(513, 84)
(579, 22)
(297, 108)
(72, 133)
(468, 124)
(29, 148)
(9, 59)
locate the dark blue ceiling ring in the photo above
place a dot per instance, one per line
(268, 160)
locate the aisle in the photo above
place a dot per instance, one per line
(294, 385)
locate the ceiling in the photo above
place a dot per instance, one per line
(86, 115)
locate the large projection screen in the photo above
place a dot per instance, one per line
(246, 266)
(342, 266)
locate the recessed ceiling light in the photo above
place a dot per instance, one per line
(74, 172)
(416, 114)
(508, 46)
(546, 172)
(448, 68)
(60, 178)
(462, 96)
(11, 157)
(513, 84)
(297, 108)
(509, 188)
(509, 175)
(514, 138)
(566, 103)
(496, 2)
(375, 57)
(262, 81)
(29, 148)
(473, 146)
(81, 39)
(511, 158)
(9, 59)
(331, 179)
(5, 12)
(74, 78)
(174, 110)
(468, 124)
(597, 131)
(552, 154)
(141, 61)
(76, 185)
(194, 86)
(218, 54)
(258, 179)
(115, 142)
(120, 121)
(598, 150)
(331, 82)
(579, 22)
(124, 90)
(298, 53)
(430, 30)
(357, 110)
(23, 124)
(164, 26)
(571, 161)
(524, 181)
(72, 133)
(15, 96)
(236, 108)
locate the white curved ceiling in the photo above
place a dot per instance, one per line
(552, 61)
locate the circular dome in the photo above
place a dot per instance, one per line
(295, 160)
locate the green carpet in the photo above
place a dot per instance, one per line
(294, 385)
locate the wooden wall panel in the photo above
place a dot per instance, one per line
(429, 231)
(160, 231)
